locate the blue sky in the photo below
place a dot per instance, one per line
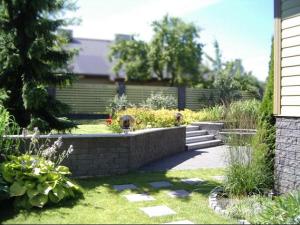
(243, 28)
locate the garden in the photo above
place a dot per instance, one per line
(41, 148)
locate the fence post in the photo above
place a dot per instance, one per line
(181, 97)
(121, 87)
(51, 91)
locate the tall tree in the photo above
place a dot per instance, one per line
(132, 57)
(217, 61)
(33, 57)
(175, 51)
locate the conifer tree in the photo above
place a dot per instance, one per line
(33, 58)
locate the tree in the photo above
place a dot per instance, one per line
(33, 57)
(217, 62)
(132, 57)
(232, 79)
(175, 51)
(264, 144)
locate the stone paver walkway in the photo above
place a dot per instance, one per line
(178, 194)
(204, 158)
(124, 187)
(160, 184)
(158, 211)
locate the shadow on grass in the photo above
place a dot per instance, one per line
(140, 179)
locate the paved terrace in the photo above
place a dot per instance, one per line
(197, 159)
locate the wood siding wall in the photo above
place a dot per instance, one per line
(287, 46)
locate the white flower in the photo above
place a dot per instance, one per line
(49, 152)
(70, 150)
(58, 143)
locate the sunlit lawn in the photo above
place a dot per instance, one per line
(91, 127)
(102, 204)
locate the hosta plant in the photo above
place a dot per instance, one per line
(35, 181)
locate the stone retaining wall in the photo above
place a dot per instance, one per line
(287, 159)
(107, 154)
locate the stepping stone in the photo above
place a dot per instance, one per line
(178, 194)
(219, 178)
(139, 197)
(181, 222)
(124, 187)
(192, 181)
(161, 184)
(158, 211)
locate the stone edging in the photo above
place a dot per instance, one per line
(214, 204)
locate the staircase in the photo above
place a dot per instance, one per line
(197, 138)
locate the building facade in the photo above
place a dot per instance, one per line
(287, 94)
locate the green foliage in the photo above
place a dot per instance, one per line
(117, 104)
(173, 54)
(4, 190)
(160, 101)
(33, 57)
(34, 181)
(233, 79)
(264, 142)
(283, 210)
(247, 172)
(131, 56)
(175, 50)
(247, 208)
(243, 114)
(8, 146)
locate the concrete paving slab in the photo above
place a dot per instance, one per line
(124, 187)
(160, 184)
(157, 211)
(178, 194)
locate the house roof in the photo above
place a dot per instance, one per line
(92, 58)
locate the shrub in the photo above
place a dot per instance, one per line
(160, 101)
(8, 146)
(36, 178)
(35, 181)
(148, 118)
(117, 104)
(283, 210)
(246, 173)
(4, 190)
(243, 114)
(247, 208)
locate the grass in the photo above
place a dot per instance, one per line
(91, 127)
(103, 205)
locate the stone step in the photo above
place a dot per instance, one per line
(199, 138)
(209, 125)
(196, 133)
(192, 128)
(203, 144)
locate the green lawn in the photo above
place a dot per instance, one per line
(102, 204)
(91, 127)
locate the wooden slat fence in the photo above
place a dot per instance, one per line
(87, 98)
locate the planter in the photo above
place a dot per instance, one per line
(108, 154)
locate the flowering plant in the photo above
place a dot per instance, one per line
(109, 121)
(36, 177)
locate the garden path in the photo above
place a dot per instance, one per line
(213, 157)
